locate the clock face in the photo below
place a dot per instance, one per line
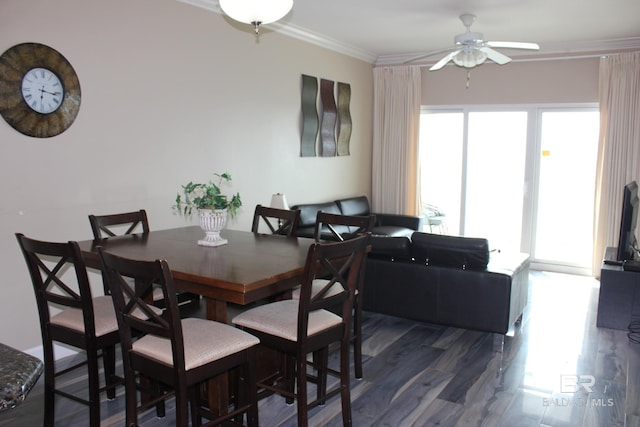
(42, 90)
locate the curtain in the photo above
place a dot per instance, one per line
(396, 125)
(619, 146)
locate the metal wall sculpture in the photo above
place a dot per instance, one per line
(329, 117)
(344, 118)
(310, 121)
(335, 125)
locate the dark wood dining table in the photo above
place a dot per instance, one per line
(250, 267)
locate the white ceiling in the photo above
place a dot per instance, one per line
(391, 31)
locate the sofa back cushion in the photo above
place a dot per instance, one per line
(450, 251)
(358, 206)
(308, 212)
(392, 248)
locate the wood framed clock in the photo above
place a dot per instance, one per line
(39, 90)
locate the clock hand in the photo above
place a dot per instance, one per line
(50, 93)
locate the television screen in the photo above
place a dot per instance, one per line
(627, 244)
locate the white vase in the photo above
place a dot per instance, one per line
(212, 221)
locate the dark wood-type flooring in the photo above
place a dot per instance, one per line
(418, 374)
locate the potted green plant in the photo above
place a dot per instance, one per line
(212, 206)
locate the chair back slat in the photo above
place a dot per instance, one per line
(356, 225)
(107, 225)
(136, 314)
(59, 277)
(279, 221)
(338, 263)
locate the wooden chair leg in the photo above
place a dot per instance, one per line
(289, 371)
(109, 362)
(345, 394)
(131, 400)
(194, 404)
(94, 387)
(302, 398)
(357, 339)
(321, 362)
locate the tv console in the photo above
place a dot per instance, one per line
(619, 299)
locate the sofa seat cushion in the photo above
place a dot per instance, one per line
(392, 231)
(450, 251)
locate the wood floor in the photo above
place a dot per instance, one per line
(418, 374)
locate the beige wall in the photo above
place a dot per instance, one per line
(559, 81)
(170, 93)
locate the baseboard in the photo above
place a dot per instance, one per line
(59, 351)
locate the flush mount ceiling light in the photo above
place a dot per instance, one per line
(256, 12)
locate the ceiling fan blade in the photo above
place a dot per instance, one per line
(444, 61)
(495, 56)
(426, 55)
(514, 45)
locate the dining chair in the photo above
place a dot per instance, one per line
(112, 225)
(180, 353)
(296, 328)
(71, 315)
(356, 225)
(279, 221)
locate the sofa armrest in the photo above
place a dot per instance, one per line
(407, 221)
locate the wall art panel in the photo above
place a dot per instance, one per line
(310, 121)
(329, 117)
(344, 118)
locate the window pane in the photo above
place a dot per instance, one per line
(564, 225)
(495, 178)
(441, 136)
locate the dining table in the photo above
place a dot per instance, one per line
(249, 268)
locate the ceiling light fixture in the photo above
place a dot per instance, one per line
(256, 12)
(469, 57)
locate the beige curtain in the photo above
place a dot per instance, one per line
(619, 146)
(396, 125)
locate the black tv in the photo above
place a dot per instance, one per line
(627, 244)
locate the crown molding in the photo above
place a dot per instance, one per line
(548, 51)
(297, 33)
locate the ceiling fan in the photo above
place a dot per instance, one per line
(471, 49)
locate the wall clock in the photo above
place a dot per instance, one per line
(39, 90)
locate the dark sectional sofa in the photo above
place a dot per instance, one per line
(385, 224)
(432, 278)
(447, 280)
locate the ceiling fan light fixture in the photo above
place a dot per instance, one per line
(256, 12)
(469, 58)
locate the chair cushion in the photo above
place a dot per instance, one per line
(280, 319)
(204, 342)
(450, 251)
(103, 312)
(104, 315)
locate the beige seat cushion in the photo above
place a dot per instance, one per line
(204, 342)
(104, 316)
(103, 312)
(281, 319)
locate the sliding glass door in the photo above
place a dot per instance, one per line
(524, 178)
